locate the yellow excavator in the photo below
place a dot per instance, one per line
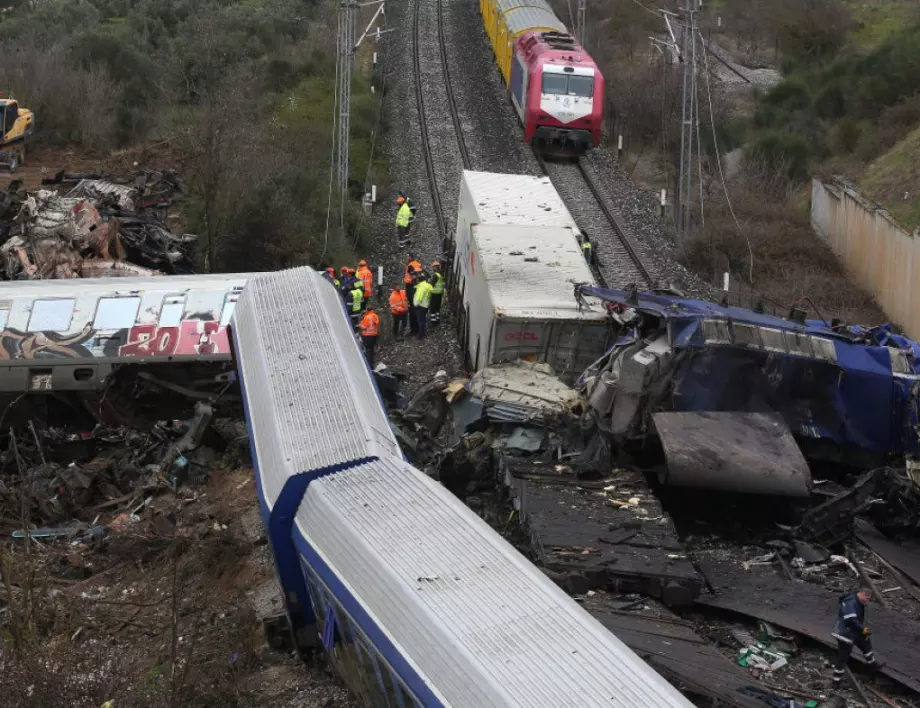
(17, 125)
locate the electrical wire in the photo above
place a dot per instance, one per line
(699, 146)
(715, 142)
(332, 155)
(648, 9)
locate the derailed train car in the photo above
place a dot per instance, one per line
(416, 599)
(845, 394)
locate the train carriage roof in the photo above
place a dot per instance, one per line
(504, 6)
(524, 19)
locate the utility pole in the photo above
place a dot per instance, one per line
(688, 119)
(580, 22)
(346, 46)
(345, 52)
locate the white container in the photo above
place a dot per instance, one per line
(492, 198)
(517, 287)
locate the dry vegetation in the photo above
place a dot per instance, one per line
(240, 88)
(848, 99)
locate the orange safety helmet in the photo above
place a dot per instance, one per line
(436, 264)
(400, 199)
(362, 262)
(331, 271)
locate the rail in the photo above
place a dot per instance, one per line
(619, 228)
(448, 86)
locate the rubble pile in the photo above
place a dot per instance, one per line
(85, 485)
(91, 227)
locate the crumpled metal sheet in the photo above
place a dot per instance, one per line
(100, 190)
(522, 391)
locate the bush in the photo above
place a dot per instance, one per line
(780, 152)
(846, 135)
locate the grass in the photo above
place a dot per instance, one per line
(875, 21)
(894, 174)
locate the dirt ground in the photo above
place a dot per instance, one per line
(170, 615)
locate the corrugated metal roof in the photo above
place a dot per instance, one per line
(517, 199)
(307, 383)
(528, 18)
(531, 271)
(480, 622)
(505, 5)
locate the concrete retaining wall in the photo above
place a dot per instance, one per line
(875, 251)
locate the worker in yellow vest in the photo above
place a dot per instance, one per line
(422, 302)
(355, 301)
(437, 293)
(405, 215)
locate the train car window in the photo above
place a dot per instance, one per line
(171, 314)
(51, 315)
(581, 86)
(229, 305)
(4, 318)
(555, 84)
(116, 312)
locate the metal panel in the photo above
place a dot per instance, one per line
(307, 384)
(531, 272)
(516, 199)
(482, 624)
(522, 19)
(746, 335)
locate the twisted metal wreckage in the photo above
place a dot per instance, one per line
(98, 228)
(755, 393)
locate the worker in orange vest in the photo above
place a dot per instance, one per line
(366, 276)
(399, 308)
(369, 328)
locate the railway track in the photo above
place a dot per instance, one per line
(426, 142)
(616, 258)
(448, 87)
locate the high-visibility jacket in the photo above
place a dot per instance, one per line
(438, 287)
(357, 297)
(422, 294)
(404, 215)
(399, 302)
(366, 276)
(586, 248)
(414, 266)
(370, 324)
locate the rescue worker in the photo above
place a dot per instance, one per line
(369, 328)
(329, 274)
(437, 293)
(851, 629)
(399, 308)
(355, 301)
(421, 302)
(413, 268)
(366, 276)
(587, 248)
(405, 215)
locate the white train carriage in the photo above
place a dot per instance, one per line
(418, 601)
(62, 335)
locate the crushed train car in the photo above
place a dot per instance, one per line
(49, 235)
(63, 344)
(846, 394)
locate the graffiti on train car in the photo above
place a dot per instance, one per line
(190, 338)
(44, 345)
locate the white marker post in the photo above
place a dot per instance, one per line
(664, 201)
(725, 282)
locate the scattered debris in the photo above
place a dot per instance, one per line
(98, 228)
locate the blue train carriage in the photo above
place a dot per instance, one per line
(417, 600)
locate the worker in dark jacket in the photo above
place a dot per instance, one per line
(851, 629)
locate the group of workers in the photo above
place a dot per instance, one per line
(414, 304)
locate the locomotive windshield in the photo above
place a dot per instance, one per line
(568, 85)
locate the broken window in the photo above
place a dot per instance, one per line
(171, 314)
(824, 348)
(746, 335)
(799, 344)
(51, 315)
(772, 339)
(116, 312)
(716, 332)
